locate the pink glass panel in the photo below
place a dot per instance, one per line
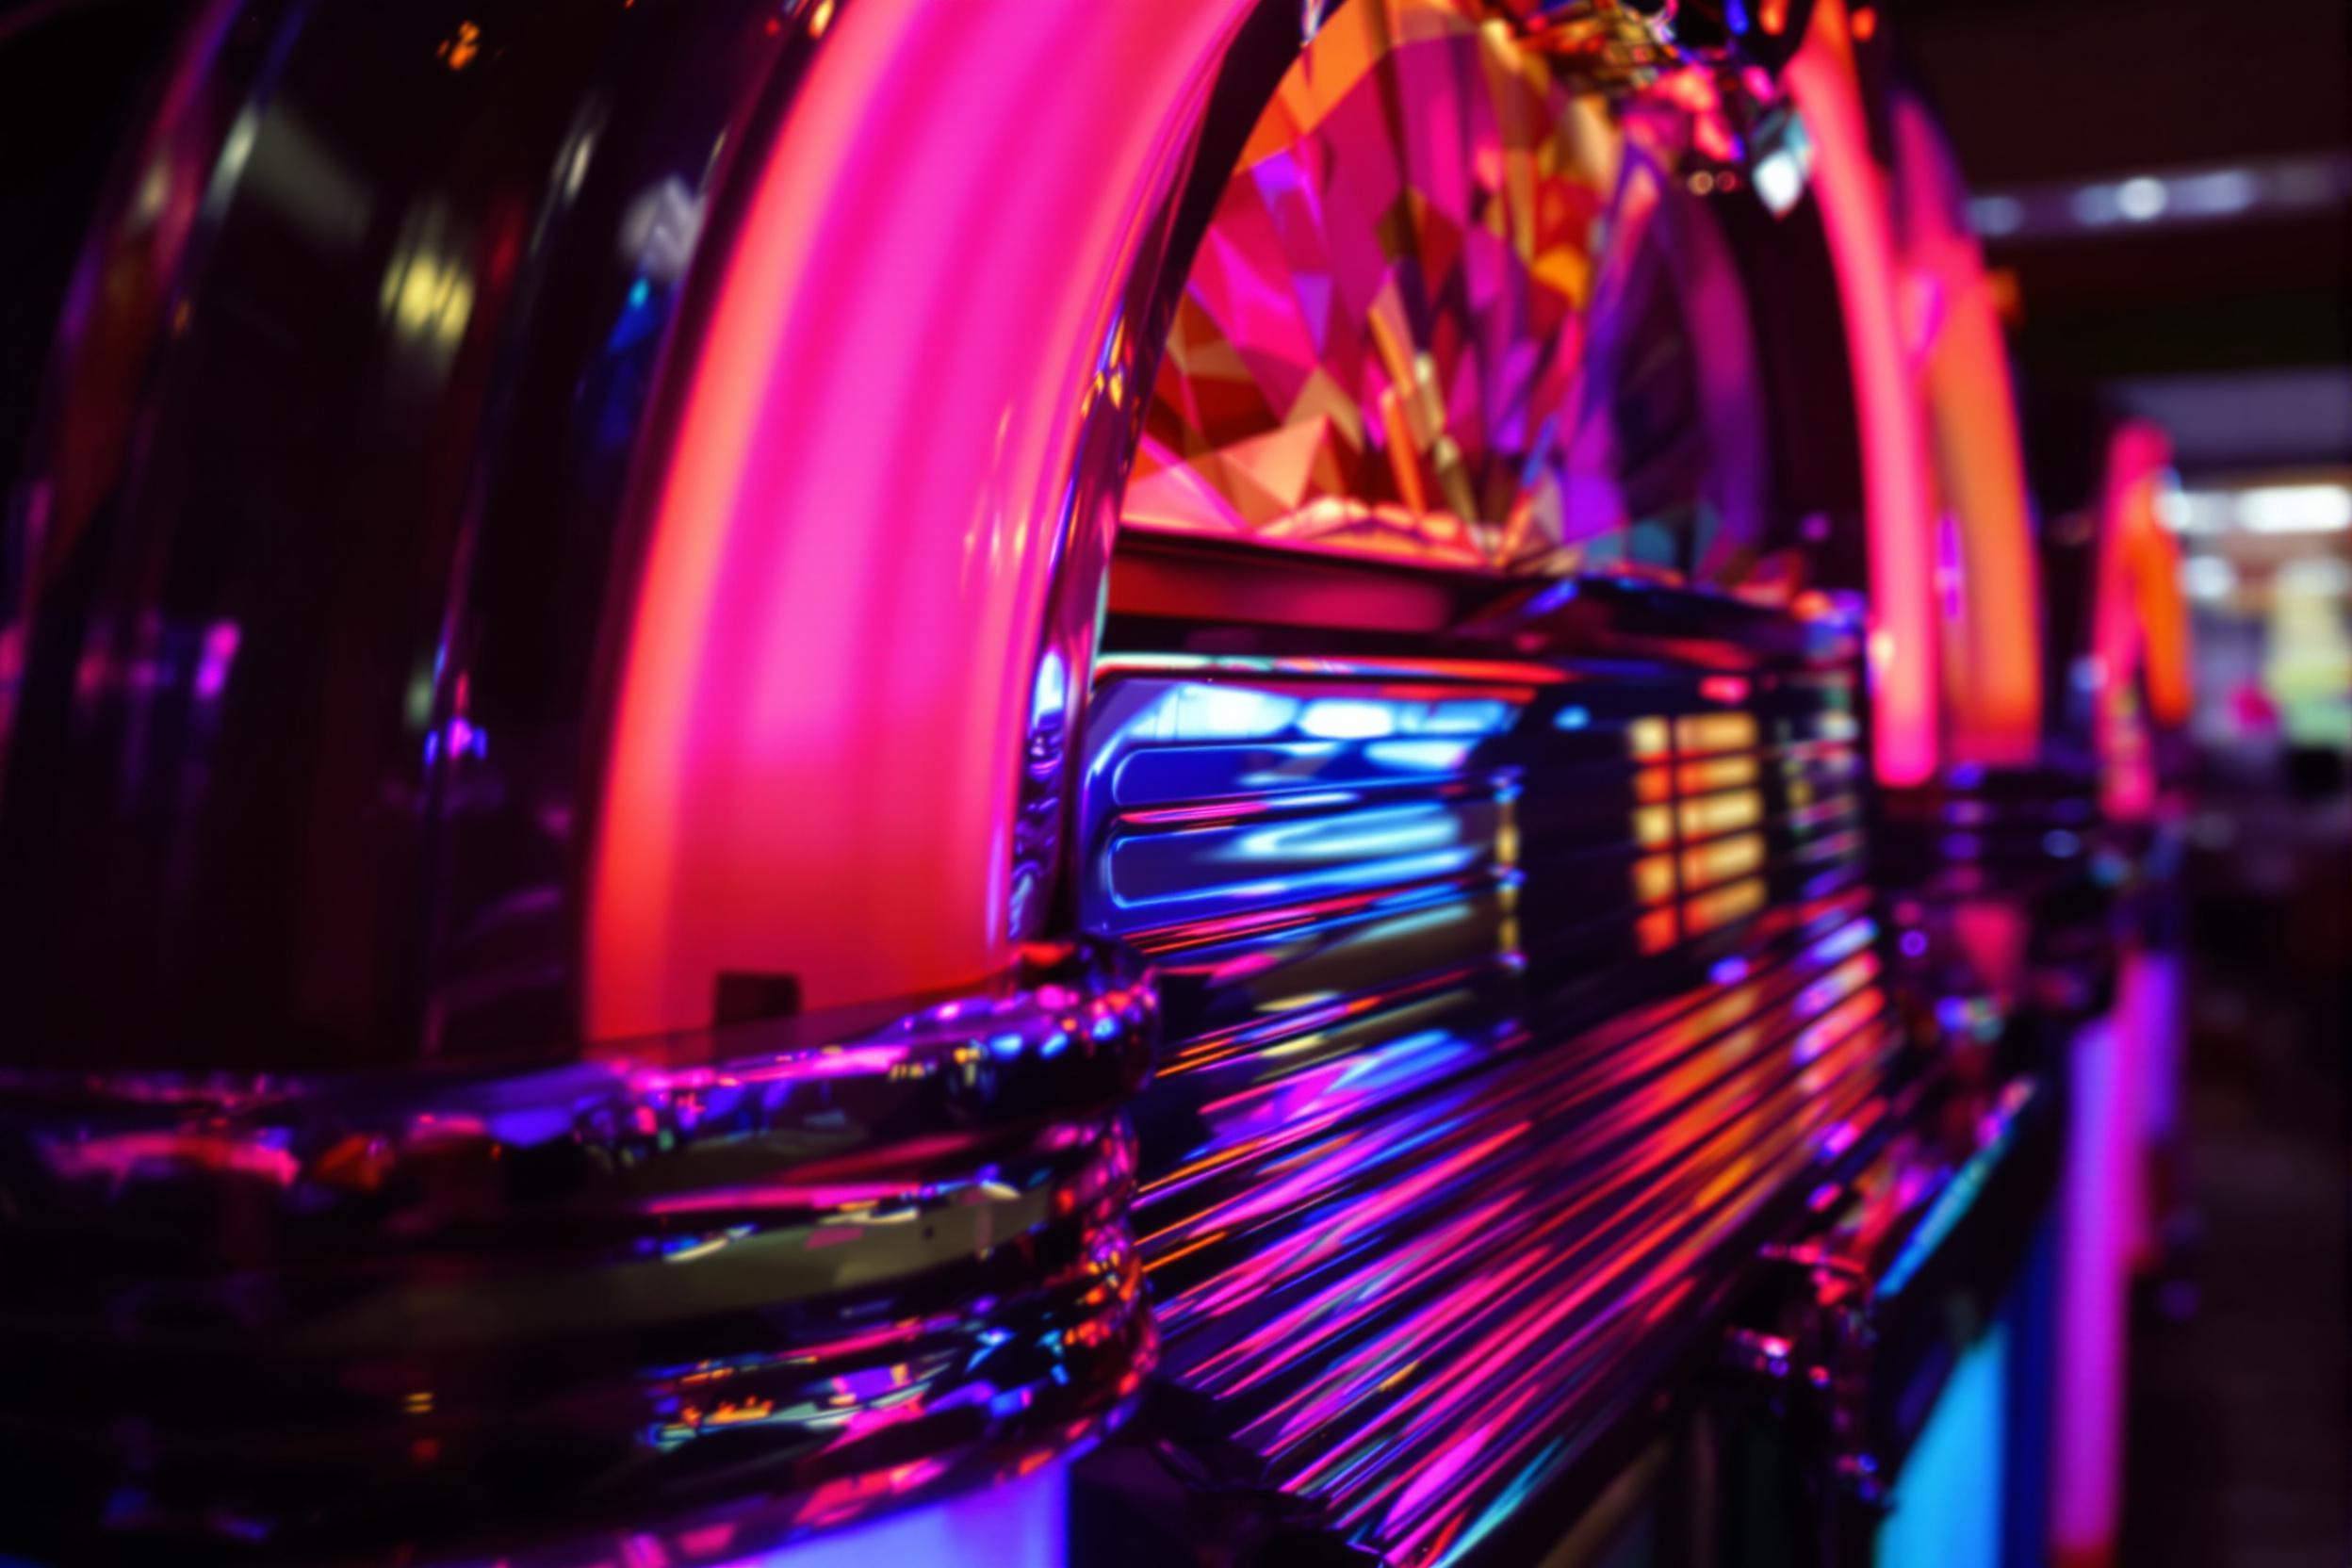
(1383, 347)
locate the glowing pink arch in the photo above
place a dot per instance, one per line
(836, 644)
(1991, 629)
(1852, 188)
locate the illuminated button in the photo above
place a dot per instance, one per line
(1724, 904)
(1712, 814)
(1727, 857)
(1656, 931)
(1699, 733)
(1721, 773)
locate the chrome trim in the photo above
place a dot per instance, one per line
(710, 1289)
(1449, 1121)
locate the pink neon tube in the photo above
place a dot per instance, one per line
(2087, 1440)
(1992, 649)
(834, 651)
(2140, 625)
(1852, 195)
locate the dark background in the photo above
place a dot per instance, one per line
(2043, 91)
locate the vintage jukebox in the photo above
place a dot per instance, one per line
(1157, 782)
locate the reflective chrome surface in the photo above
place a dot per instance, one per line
(1521, 970)
(534, 550)
(1511, 1004)
(704, 1293)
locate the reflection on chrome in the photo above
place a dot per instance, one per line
(840, 1261)
(1420, 1170)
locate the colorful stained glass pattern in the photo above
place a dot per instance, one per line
(1610, 44)
(1381, 343)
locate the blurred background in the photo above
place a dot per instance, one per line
(2165, 191)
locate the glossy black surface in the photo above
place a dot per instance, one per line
(311, 570)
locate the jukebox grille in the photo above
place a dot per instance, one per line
(1504, 1003)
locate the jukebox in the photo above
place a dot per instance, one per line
(1162, 782)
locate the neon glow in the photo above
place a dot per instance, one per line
(2148, 1004)
(1947, 1509)
(1991, 654)
(2094, 1205)
(1895, 468)
(844, 378)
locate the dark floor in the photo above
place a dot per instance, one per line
(2238, 1453)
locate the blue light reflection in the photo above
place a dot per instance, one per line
(1023, 1523)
